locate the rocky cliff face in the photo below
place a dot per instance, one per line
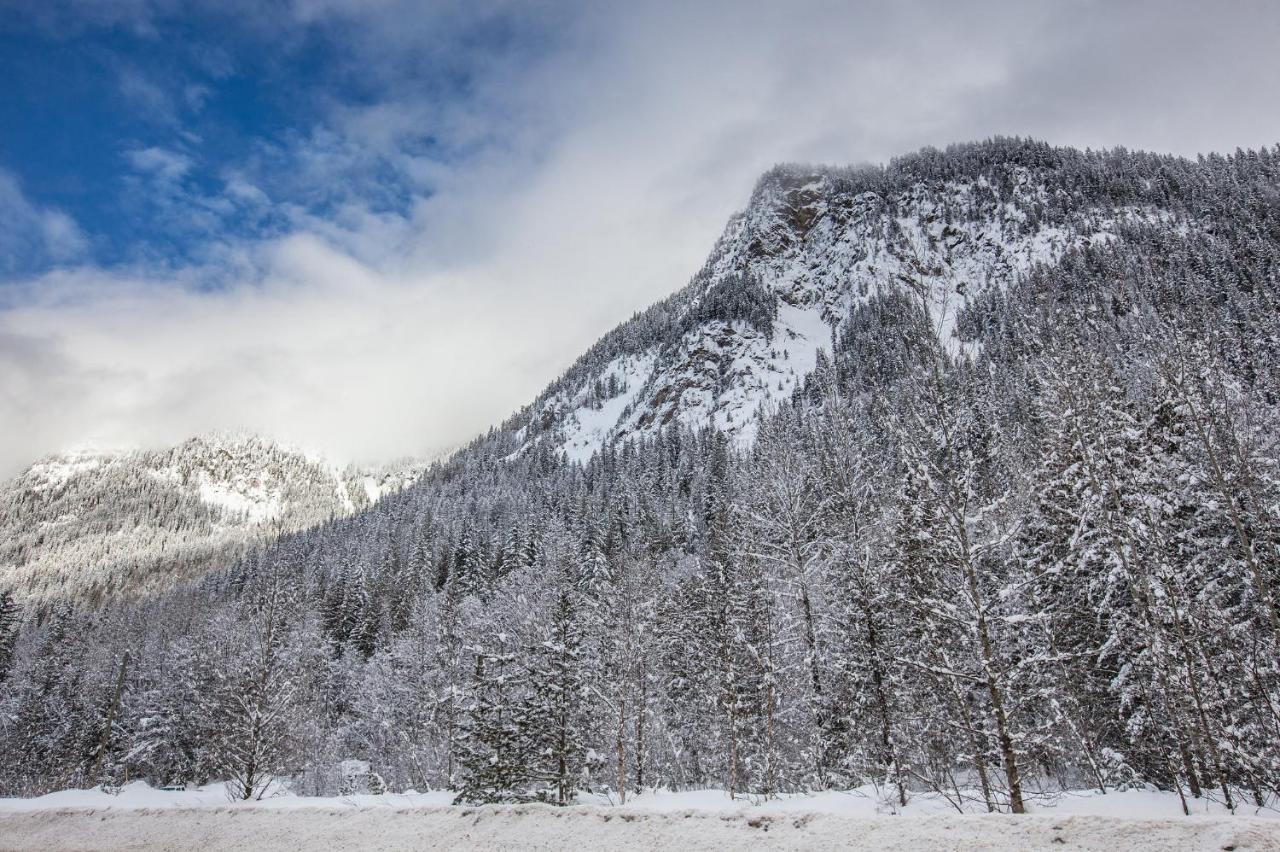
(786, 274)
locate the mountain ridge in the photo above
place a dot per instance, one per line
(811, 244)
(93, 523)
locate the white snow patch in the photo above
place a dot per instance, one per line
(586, 428)
(256, 507)
(859, 802)
(143, 818)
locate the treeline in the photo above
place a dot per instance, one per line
(1046, 559)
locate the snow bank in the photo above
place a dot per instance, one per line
(144, 818)
(862, 802)
(537, 827)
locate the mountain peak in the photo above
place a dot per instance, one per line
(813, 244)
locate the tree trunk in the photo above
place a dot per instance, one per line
(620, 747)
(815, 680)
(105, 743)
(979, 763)
(889, 754)
(640, 714)
(1010, 759)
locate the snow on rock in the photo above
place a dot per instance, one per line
(255, 505)
(588, 425)
(818, 248)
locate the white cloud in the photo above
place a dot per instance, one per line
(30, 232)
(567, 190)
(161, 163)
(146, 97)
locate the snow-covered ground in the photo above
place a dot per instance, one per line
(144, 818)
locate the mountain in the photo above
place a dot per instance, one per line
(92, 524)
(788, 272)
(958, 475)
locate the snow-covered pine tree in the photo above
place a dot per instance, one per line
(495, 751)
(558, 723)
(10, 620)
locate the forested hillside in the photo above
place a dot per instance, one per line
(954, 475)
(88, 526)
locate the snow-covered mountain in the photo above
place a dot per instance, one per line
(1009, 531)
(767, 309)
(788, 270)
(97, 523)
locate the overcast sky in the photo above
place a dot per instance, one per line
(376, 227)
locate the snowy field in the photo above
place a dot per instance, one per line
(144, 818)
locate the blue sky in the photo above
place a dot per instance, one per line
(165, 132)
(376, 227)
